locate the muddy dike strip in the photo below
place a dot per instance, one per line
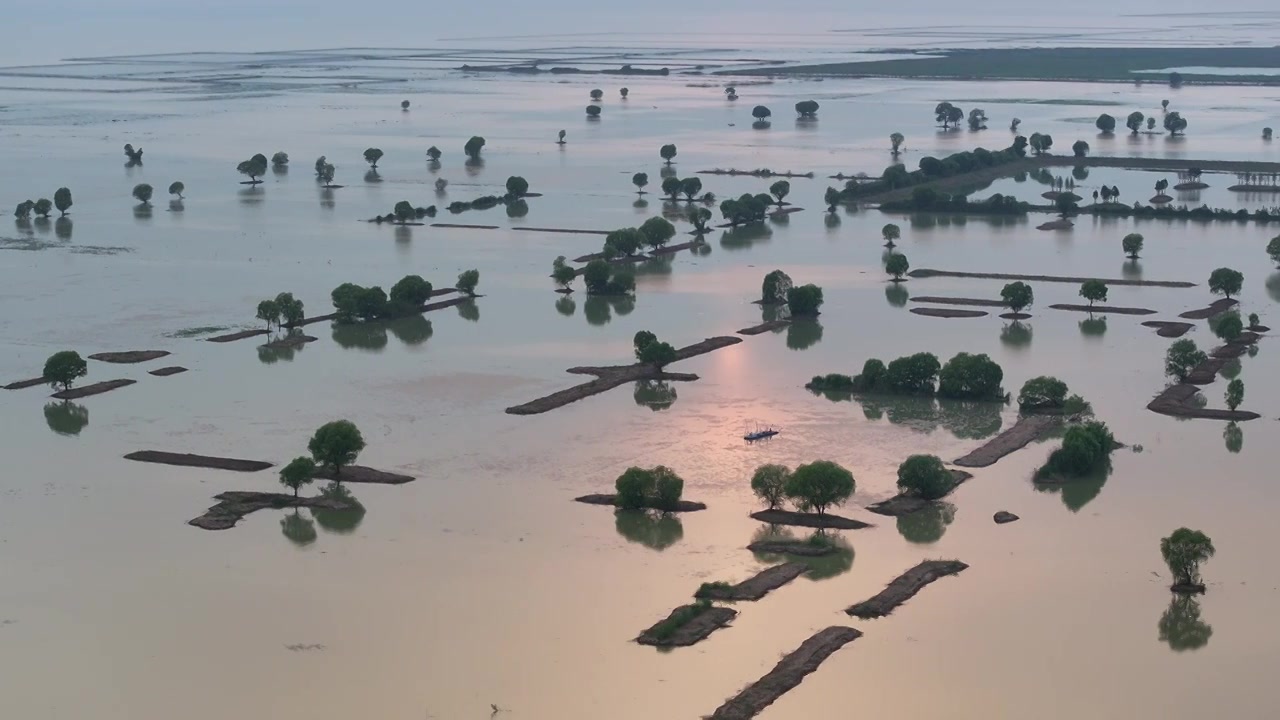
(755, 587)
(787, 674)
(235, 504)
(904, 587)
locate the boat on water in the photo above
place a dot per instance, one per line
(761, 433)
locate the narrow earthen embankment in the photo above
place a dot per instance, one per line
(1028, 429)
(129, 357)
(94, 389)
(1217, 307)
(1103, 309)
(362, 475)
(928, 273)
(907, 504)
(1175, 401)
(611, 500)
(904, 587)
(790, 671)
(809, 520)
(200, 461)
(948, 312)
(755, 587)
(694, 630)
(236, 504)
(1168, 329)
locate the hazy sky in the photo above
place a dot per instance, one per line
(70, 28)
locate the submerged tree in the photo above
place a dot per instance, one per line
(255, 167)
(467, 282)
(336, 444)
(890, 232)
(372, 156)
(832, 199)
(977, 119)
(1080, 148)
(780, 190)
(1106, 123)
(897, 266)
(433, 154)
(760, 113)
(62, 200)
(924, 476)
(895, 143)
(640, 180)
(807, 109)
(473, 147)
(1225, 282)
(668, 152)
(177, 188)
(63, 368)
(280, 159)
(1184, 551)
(1174, 123)
(1017, 296)
(1093, 291)
(1182, 357)
(297, 473)
(268, 312)
(1132, 244)
(142, 193)
(947, 114)
(774, 289)
(804, 300)
(769, 483)
(1134, 121)
(43, 207)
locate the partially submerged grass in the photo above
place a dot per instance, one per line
(198, 331)
(682, 617)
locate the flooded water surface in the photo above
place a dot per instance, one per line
(482, 584)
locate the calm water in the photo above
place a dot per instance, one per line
(482, 582)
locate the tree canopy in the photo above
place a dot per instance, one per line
(640, 180)
(177, 188)
(774, 289)
(924, 476)
(1174, 123)
(1183, 552)
(336, 444)
(1235, 394)
(1093, 291)
(760, 112)
(651, 351)
(769, 483)
(780, 190)
(1085, 448)
(1041, 393)
(473, 147)
(668, 152)
(1182, 357)
(63, 368)
(804, 299)
(1134, 121)
(819, 485)
(897, 265)
(807, 108)
(657, 231)
(1106, 123)
(410, 291)
(1226, 282)
(467, 282)
(1132, 244)
(971, 377)
(255, 167)
(1017, 296)
(297, 473)
(62, 200)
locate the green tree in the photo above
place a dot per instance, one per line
(593, 111)
(977, 119)
(634, 487)
(597, 94)
(895, 143)
(1132, 244)
(63, 368)
(517, 186)
(1174, 123)
(280, 159)
(596, 276)
(1235, 393)
(23, 211)
(43, 207)
(698, 217)
(269, 312)
(321, 162)
(1134, 121)
(62, 200)
(804, 300)
(774, 289)
(912, 374)
(433, 154)
(297, 473)
(177, 188)
(780, 190)
(326, 174)
(971, 377)
(142, 193)
(372, 156)
(769, 483)
(473, 147)
(624, 92)
(1093, 291)
(1040, 143)
(640, 180)
(1106, 123)
(467, 282)
(667, 487)
(1226, 282)
(290, 309)
(1228, 327)
(897, 266)
(1085, 449)
(760, 112)
(626, 241)
(1184, 551)
(404, 212)
(410, 291)
(807, 109)
(650, 351)
(1043, 392)
(890, 232)
(1017, 296)
(336, 444)
(564, 275)
(924, 476)
(819, 485)
(690, 187)
(657, 231)
(255, 167)
(671, 187)
(1080, 148)
(832, 199)
(668, 152)
(948, 114)
(1182, 357)
(1273, 249)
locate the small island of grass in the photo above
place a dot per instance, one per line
(687, 625)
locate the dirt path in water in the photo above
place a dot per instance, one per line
(757, 586)
(696, 629)
(787, 674)
(200, 461)
(809, 520)
(1028, 429)
(928, 273)
(904, 587)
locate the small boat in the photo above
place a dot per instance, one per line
(760, 433)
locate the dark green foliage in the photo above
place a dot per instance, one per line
(626, 241)
(297, 473)
(1093, 291)
(698, 217)
(780, 190)
(23, 211)
(467, 282)
(948, 114)
(912, 374)
(657, 231)
(650, 351)
(1273, 249)
(658, 487)
(177, 188)
(667, 486)
(596, 275)
(807, 108)
(671, 187)
(473, 147)
(690, 187)
(433, 154)
(1183, 551)
(760, 112)
(897, 265)
(1080, 148)
(62, 200)
(255, 167)
(1085, 448)
(320, 163)
(1228, 327)
(769, 483)
(63, 368)
(1182, 357)
(280, 159)
(593, 111)
(833, 382)
(1174, 123)
(517, 186)
(142, 193)
(563, 274)
(668, 152)
(775, 287)
(1134, 121)
(890, 232)
(336, 444)
(1106, 123)
(268, 312)
(404, 211)
(924, 476)
(977, 119)
(832, 198)
(804, 300)
(597, 94)
(679, 619)
(819, 485)
(971, 377)
(1226, 282)
(1132, 244)
(1017, 296)
(1235, 393)
(326, 174)
(1042, 393)
(43, 207)
(640, 180)
(410, 291)
(291, 311)
(1181, 627)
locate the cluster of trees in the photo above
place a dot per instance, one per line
(813, 487)
(964, 377)
(947, 115)
(602, 278)
(774, 288)
(1080, 148)
(63, 368)
(929, 200)
(285, 309)
(1049, 394)
(255, 167)
(747, 208)
(42, 207)
(404, 211)
(135, 156)
(658, 487)
(653, 233)
(651, 351)
(334, 445)
(804, 301)
(325, 171)
(1181, 358)
(1085, 448)
(1040, 142)
(1203, 212)
(931, 168)
(924, 476)
(407, 296)
(517, 188)
(673, 187)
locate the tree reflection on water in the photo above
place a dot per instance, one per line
(566, 306)
(300, 530)
(1181, 627)
(1233, 437)
(1078, 492)
(896, 294)
(66, 417)
(654, 394)
(928, 525)
(804, 333)
(965, 419)
(341, 522)
(821, 567)
(599, 309)
(654, 530)
(1016, 334)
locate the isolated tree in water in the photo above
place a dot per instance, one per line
(372, 156)
(63, 368)
(668, 152)
(819, 485)
(336, 444)
(895, 143)
(62, 200)
(1132, 244)
(142, 193)
(297, 473)
(1184, 551)
(1093, 291)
